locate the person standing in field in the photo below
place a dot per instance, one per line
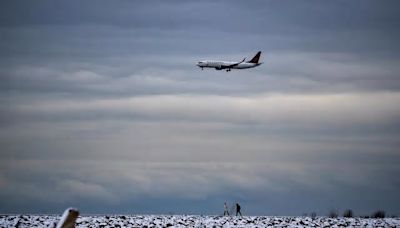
(226, 212)
(238, 210)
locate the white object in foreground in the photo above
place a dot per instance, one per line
(68, 218)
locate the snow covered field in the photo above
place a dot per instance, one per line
(195, 221)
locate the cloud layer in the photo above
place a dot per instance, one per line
(103, 108)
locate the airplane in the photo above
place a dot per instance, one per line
(223, 65)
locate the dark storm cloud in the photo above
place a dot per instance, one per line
(102, 106)
(152, 187)
(360, 26)
(309, 46)
(339, 15)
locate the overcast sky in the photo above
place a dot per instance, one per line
(103, 108)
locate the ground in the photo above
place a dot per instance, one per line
(194, 221)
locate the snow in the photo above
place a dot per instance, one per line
(194, 221)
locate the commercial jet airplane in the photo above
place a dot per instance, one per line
(223, 65)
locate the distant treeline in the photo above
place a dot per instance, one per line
(350, 214)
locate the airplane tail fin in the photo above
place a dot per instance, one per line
(256, 58)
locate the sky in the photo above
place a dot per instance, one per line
(103, 108)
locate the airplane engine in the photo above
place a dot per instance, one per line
(218, 67)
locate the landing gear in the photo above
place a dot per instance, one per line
(202, 68)
(227, 70)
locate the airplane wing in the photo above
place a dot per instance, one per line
(235, 64)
